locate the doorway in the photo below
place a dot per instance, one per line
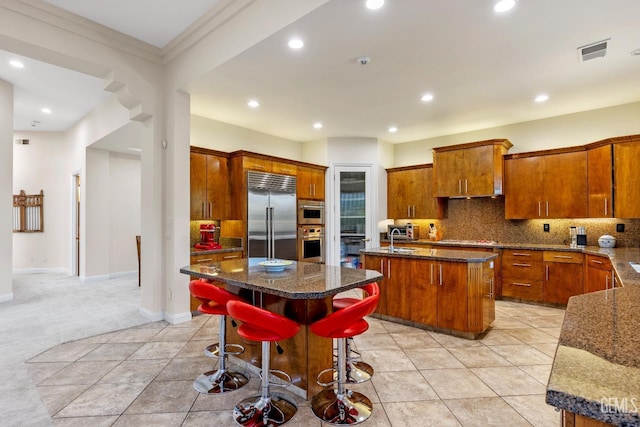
(353, 202)
(75, 225)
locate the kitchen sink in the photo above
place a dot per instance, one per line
(404, 249)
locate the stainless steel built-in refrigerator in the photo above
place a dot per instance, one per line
(271, 222)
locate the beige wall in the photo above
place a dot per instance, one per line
(6, 171)
(561, 131)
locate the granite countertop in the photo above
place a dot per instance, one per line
(596, 369)
(438, 254)
(299, 280)
(195, 251)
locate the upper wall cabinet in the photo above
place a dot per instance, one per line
(410, 193)
(310, 183)
(626, 157)
(470, 170)
(600, 181)
(549, 184)
(209, 186)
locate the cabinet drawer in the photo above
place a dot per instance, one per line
(566, 257)
(522, 265)
(199, 259)
(531, 290)
(601, 263)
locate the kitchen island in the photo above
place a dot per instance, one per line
(444, 290)
(301, 291)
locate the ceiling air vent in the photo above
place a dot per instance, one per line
(22, 142)
(593, 50)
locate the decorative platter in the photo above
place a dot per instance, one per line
(274, 265)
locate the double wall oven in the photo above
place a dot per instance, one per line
(311, 231)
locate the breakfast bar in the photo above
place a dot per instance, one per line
(298, 290)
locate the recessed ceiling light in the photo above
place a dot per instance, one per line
(46, 110)
(374, 4)
(393, 129)
(542, 97)
(504, 5)
(16, 64)
(426, 97)
(317, 125)
(296, 43)
(253, 103)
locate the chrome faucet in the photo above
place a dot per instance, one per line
(391, 244)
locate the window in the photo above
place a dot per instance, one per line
(27, 212)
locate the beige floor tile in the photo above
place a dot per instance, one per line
(509, 381)
(539, 372)
(456, 384)
(135, 371)
(155, 420)
(69, 352)
(103, 399)
(85, 421)
(112, 351)
(508, 323)
(549, 321)
(158, 350)
(141, 335)
(81, 373)
(368, 388)
(433, 358)
(41, 371)
(175, 334)
(404, 386)
(374, 342)
(430, 413)
(522, 354)
(186, 369)
(388, 360)
(208, 419)
(555, 332)
(375, 326)
(488, 411)
(164, 396)
(548, 349)
(498, 337)
(415, 340)
(477, 357)
(532, 336)
(535, 410)
(57, 397)
(98, 339)
(227, 401)
(397, 328)
(195, 348)
(449, 341)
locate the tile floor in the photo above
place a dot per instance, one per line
(142, 376)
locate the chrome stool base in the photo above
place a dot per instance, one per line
(213, 350)
(214, 382)
(258, 411)
(351, 408)
(358, 372)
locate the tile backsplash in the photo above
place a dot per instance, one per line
(483, 219)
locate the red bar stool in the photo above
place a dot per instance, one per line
(342, 406)
(261, 325)
(214, 301)
(357, 370)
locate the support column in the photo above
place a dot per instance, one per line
(6, 190)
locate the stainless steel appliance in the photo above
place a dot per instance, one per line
(311, 243)
(271, 215)
(310, 212)
(407, 231)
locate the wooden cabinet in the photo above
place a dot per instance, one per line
(209, 186)
(522, 275)
(468, 170)
(451, 279)
(410, 193)
(310, 183)
(395, 286)
(207, 258)
(264, 164)
(626, 178)
(563, 276)
(570, 419)
(552, 185)
(600, 275)
(600, 181)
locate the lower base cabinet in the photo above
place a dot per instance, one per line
(600, 275)
(569, 419)
(452, 296)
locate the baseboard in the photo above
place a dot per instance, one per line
(109, 276)
(174, 319)
(147, 314)
(6, 297)
(39, 270)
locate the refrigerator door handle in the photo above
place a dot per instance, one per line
(267, 227)
(272, 234)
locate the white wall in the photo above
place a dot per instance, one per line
(207, 133)
(43, 165)
(561, 131)
(6, 203)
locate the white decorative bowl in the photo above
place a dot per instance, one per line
(607, 241)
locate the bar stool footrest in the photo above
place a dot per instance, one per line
(258, 411)
(351, 408)
(215, 382)
(213, 350)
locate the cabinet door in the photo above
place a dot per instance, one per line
(452, 295)
(283, 168)
(310, 183)
(599, 274)
(399, 184)
(317, 180)
(523, 188)
(565, 185)
(256, 163)
(424, 292)
(627, 179)
(379, 264)
(478, 179)
(562, 281)
(398, 276)
(198, 185)
(600, 182)
(449, 169)
(217, 203)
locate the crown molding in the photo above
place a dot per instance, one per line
(53, 16)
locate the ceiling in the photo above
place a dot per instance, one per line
(484, 69)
